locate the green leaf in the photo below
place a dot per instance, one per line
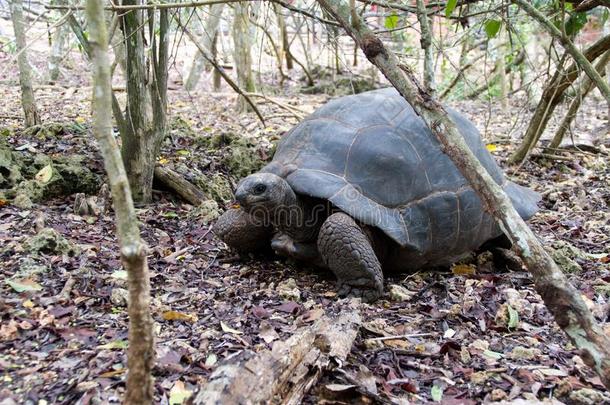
(437, 393)
(575, 23)
(492, 27)
(24, 285)
(450, 7)
(179, 393)
(115, 344)
(513, 317)
(604, 16)
(391, 21)
(493, 355)
(119, 274)
(45, 174)
(170, 214)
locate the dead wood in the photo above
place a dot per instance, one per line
(178, 184)
(285, 373)
(560, 297)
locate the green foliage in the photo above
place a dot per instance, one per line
(575, 23)
(492, 27)
(391, 21)
(450, 7)
(604, 16)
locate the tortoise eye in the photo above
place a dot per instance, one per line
(259, 189)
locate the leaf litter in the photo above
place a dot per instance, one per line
(475, 332)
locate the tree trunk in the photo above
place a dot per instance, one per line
(495, 75)
(560, 297)
(551, 96)
(583, 90)
(141, 352)
(502, 74)
(241, 53)
(57, 48)
(426, 45)
(208, 36)
(607, 33)
(528, 70)
(281, 22)
(216, 77)
(30, 111)
(569, 46)
(146, 104)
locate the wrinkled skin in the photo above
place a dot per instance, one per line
(335, 242)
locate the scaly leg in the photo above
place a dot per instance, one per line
(347, 251)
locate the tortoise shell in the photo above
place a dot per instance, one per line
(374, 158)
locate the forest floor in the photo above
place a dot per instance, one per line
(462, 336)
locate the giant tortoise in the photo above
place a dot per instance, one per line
(362, 185)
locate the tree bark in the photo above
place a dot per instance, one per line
(28, 102)
(582, 92)
(569, 46)
(208, 36)
(560, 297)
(133, 250)
(241, 53)
(281, 22)
(502, 74)
(175, 182)
(551, 97)
(426, 45)
(496, 76)
(57, 48)
(285, 373)
(146, 99)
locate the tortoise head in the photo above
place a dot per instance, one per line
(261, 194)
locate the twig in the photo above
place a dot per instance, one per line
(382, 338)
(220, 70)
(295, 110)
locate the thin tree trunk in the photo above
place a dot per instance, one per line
(529, 70)
(146, 99)
(560, 297)
(277, 51)
(281, 22)
(582, 92)
(141, 352)
(208, 36)
(28, 101)
(426, 45)
(495, 75)
(502, 74)
(57, 48)
(607, 32)
(241, 53)
(569, 46)
(551, 96)
(216, 77)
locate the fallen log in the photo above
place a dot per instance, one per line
(285, 373)
(175, 182)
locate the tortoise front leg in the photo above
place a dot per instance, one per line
(242, 232)
(347, 251)
(284, 245)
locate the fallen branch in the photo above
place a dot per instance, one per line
(560, 297)
(175, 182)
(297, 112)
(285, 373)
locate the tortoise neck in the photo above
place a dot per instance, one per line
(297, 217)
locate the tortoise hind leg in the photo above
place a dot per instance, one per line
(242, 232)
(347, 251)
